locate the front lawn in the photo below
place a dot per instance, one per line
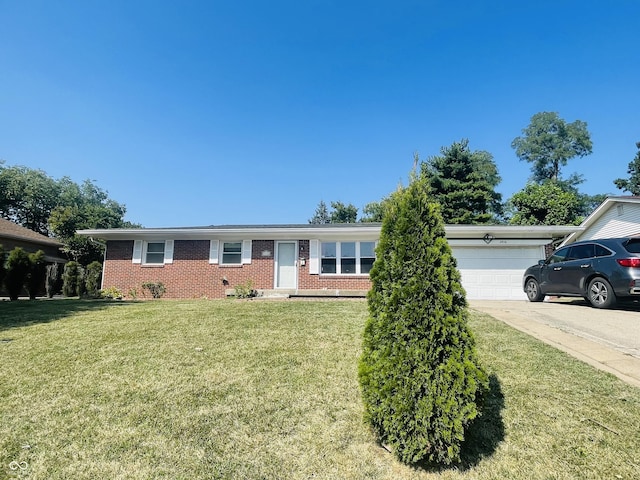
(268, 390)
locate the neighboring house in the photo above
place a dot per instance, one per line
(13, 235)
(615, 217)
(306, 260)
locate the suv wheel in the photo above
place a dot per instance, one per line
(532, 289)
(600, 293)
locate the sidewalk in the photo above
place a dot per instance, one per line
(625, 367)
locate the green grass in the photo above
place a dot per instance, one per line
(269, 390)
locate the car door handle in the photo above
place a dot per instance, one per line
(585, 265)
(557, 268)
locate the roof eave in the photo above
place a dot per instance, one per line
(359, 231)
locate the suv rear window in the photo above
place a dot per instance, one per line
(633, 245)
(602, 251)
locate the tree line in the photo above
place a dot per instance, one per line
(464, 181)
(55, 208)
(58, 208)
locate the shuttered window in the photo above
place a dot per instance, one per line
(152, 253)
(232, 253)
(237, 252)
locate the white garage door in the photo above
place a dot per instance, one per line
(495, 272)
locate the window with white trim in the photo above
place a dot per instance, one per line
(347, 258)
(367, 256)
(154, 252)
(231, 253)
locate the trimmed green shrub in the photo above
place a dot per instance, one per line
(245, 290)
(156, 289)
(51, 280)
(113, 293)
(70, 279)
(420, 378)
(18, 266)
(37, 273)
(93, 279)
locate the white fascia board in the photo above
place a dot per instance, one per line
(536, 232)
(498, 242)
(342, 232)
(360, 232)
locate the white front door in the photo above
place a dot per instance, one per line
(286, 265)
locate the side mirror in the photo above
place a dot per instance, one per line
(541, 262)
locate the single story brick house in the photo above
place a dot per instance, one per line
(306, 260)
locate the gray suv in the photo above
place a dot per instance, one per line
(602, 271)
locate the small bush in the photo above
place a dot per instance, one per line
(113, 293)
(70, 279)
(156, 289)
(93, 278)
(245, 290)
(37, 274)
(51, 279)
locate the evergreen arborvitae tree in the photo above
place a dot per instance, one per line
(37, 273)
(18, 266)
(70, 279)
(3, 257)
(51, 282)
(420, 378)
(93, 276)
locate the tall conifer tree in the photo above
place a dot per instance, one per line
(421, 381)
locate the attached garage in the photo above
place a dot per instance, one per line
(492, 259)
(495, 273)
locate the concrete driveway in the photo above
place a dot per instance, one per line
(606, 339)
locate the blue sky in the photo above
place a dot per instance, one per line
(195, 113)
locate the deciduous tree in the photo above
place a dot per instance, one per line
(59, 207)
(631, 184)
(548, 203)
(549, 142)
(374, 211)
(340, 213)
(27, 197)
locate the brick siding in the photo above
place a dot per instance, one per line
(192, 276)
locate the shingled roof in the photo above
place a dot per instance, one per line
(8, 229)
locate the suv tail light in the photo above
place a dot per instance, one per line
(629, 262)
